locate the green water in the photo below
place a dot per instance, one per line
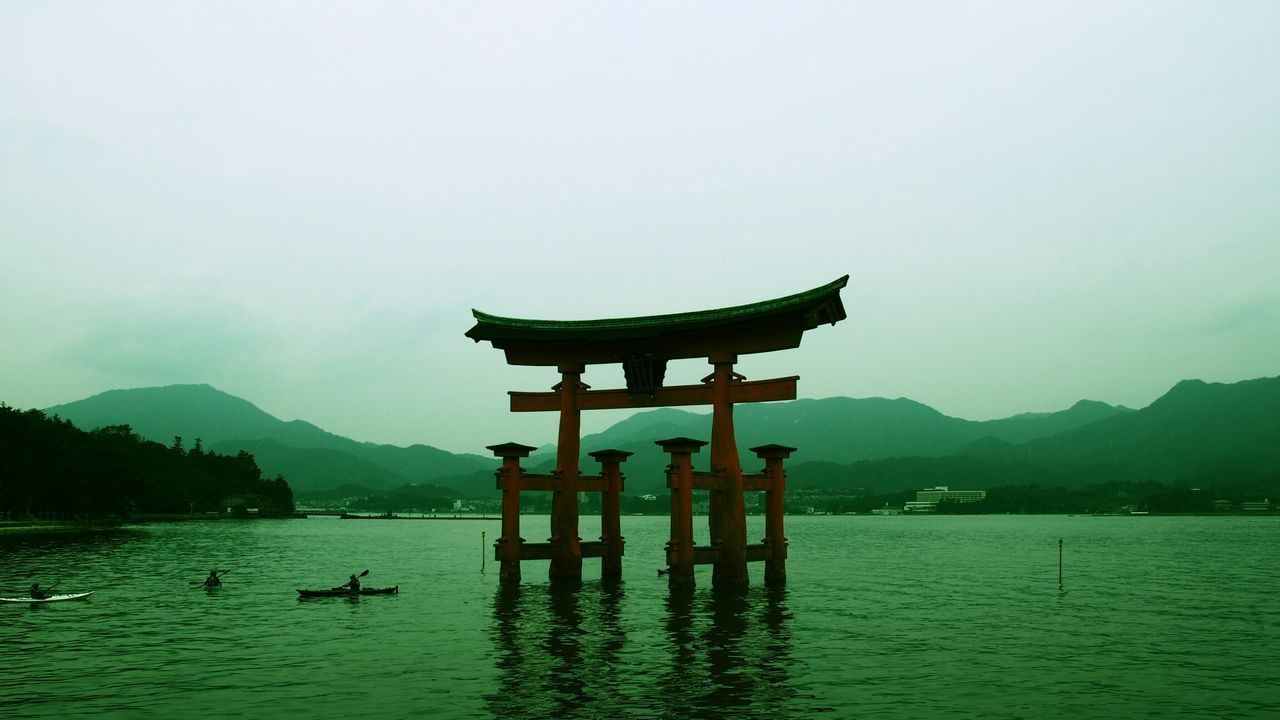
(884, 617)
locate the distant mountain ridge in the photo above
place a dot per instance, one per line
(836, 431)
(878, 444)
(308, 457)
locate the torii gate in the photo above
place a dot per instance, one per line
(643, 346)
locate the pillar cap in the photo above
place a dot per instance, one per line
(610, 455)
(772, 451)
(680, 445)
(510, 449)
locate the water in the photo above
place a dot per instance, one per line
(882, 617)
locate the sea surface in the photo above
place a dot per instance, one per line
(882, 617)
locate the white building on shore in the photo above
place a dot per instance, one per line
(927, 500)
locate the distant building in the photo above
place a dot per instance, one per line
(927, 500)
(1256, 505)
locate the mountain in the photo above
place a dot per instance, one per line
(1197, 432)
(837, 430)
(309, 458)
(1195, 429)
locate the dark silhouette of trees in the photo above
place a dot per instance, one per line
(50, 468)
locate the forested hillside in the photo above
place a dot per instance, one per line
(50, 468)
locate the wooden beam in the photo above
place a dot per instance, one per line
(706, 555)
(707, 481)
(594, 549)
(740, 392)
(536, 551)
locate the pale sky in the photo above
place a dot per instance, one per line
(300, 203)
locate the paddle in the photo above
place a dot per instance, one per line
(348, 583)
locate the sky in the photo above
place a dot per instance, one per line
(300, 203)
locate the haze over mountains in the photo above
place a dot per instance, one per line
(1196, 430)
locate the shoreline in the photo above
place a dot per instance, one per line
(40, 527)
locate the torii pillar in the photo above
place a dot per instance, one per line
(566, 558)
(728, 511)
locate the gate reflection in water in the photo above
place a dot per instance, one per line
(568, 652)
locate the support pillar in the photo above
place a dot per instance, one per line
(680, 482)
(507, 547)
(566, 559)
(728, 512)
(775, 563)
(611, 511)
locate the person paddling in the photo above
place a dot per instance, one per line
(213, 580)
(37, 593)
(353, 584)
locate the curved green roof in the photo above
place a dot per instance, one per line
(757, 327)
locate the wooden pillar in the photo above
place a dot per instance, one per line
(728, 512)
(566, 558)
(680, 481)
(775, 564)
(507, 547)
(611, 511)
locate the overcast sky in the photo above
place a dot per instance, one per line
(300, 203)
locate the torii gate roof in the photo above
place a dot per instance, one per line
(766, 326)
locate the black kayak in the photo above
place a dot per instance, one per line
(343, 592)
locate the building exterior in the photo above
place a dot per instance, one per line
(927, 500)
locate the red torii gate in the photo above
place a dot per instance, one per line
(643, 346)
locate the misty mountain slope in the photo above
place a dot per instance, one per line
(839, 430)
(1031, 426)
(191, 411)
(1195, 428)
(312, 469)
(308, 457)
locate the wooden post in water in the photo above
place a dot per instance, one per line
(775, 541)
(1059, 564)
(611, 511)
(566, 548)
(507, 549)
(482, 550)
(680, 481)
(728, 514)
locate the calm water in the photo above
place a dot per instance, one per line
(883, 617)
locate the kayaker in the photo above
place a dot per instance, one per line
(213, 580)
(353, 585)
(37, 593)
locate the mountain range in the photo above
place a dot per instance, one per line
(309, 458)
(875, 445)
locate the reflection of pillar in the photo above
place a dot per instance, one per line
(775, 563)
(728, 513)
(680, 481)
(611, 511)
(679, 689)
(507, 547)
(564, 684)
(566, 553)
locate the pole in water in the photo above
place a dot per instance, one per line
(1059, 564)
(482, 555)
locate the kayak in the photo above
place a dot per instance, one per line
(343, 592)
(51, 598)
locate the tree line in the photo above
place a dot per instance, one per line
(49, 468)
